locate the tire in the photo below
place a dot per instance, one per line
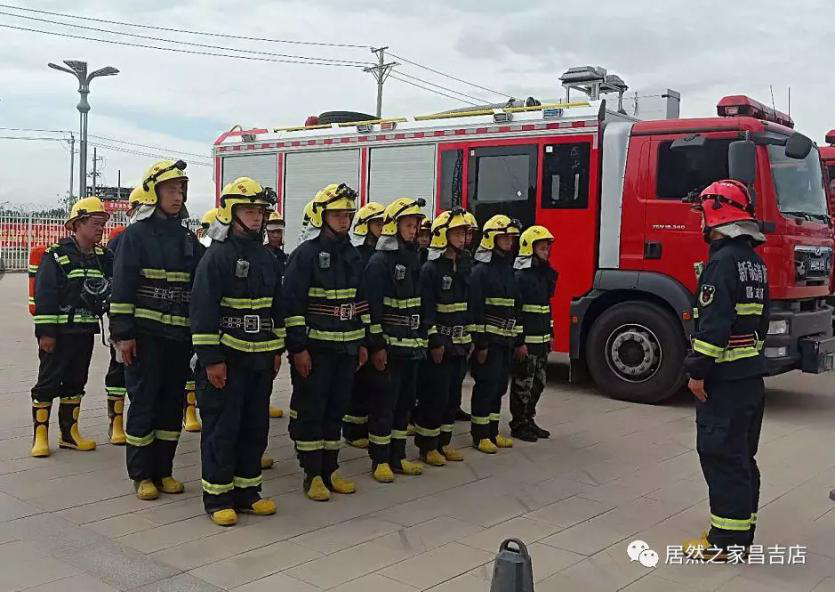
(343, 117)
(650, 347)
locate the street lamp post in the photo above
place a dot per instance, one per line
(79, 70)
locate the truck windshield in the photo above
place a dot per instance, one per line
(799, 184)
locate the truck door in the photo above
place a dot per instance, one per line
(501, 179)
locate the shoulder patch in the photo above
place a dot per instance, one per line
(706, 294)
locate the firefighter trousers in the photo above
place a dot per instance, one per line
(389, 408)
(234, 437)
(490, 385)
(526, 386)
(114, 380)
(155, 383)
(317, 406)
(439, 402)
(727, 437)
(355, 421)
(63, 373)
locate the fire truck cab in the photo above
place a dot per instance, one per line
(610, 189)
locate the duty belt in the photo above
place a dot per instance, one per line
(410, 321)
(343, 312)
(506, 324)
(454, 331)
(249, 323)
(746, 340)
(177, 295)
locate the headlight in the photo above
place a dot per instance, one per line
(776, 352)
(778, 327)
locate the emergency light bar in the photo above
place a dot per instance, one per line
(740, 105)
(830, 137)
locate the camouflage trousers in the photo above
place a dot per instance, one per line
(526, 385)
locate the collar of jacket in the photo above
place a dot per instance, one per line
(331, 242)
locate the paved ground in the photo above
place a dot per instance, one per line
(612, 472)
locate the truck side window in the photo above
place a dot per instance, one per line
(451, 166)
(502, 180)
(680, 172)
(565, 176)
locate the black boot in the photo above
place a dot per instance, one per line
(540, 432)
(462, 415)
(524, 432)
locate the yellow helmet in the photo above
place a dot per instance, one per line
(140, 197)
(400, 208)
(426, 225)
(276, 220)
(160, 172)
(370, 211)
(308, 212)
(445, 222)
(243, 190)
(331, 199)
(89, 206)
(497, 226)
(530, 236)
(471, 220)
(208, 218)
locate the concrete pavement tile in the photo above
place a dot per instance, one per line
(652, 582)
(477, 580)
(345, 534)
(12, 508)
(276, 583)
(526, 529)
(170, 535)
(21, 574)
(570, 511)
(79, 583)
(252, 565)
(585, 538)
(825, 585)
(346, 565)
(119, 526)
(438, 565)
(373, 583)
(548, 560)
(430, 534)
(179, 583)
(607, 569)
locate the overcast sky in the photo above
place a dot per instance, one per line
(183, 102)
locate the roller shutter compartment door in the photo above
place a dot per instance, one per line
(403, 171)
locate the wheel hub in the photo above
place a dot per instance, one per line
(633, 353)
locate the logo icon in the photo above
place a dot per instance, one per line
(639, 551)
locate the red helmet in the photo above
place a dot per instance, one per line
(725, 202)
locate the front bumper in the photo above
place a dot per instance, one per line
(808, 344)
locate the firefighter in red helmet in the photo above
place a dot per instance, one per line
(726, 367)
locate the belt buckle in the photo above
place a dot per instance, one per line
(510, 324)
(414, 322)
(458, 331)
(252, 323)
(346, 312)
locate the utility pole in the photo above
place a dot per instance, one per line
(72, 170)
(380, 72)
(95, 174)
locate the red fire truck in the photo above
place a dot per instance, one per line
(828, 158)
(610, 188)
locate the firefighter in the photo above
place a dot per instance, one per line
(238, 334)
(326, 315)
(495, 306)
(365, 230)
(275, 245)
(114, 380)
(191, 420)
(726, 367)
(537, 281)
(71, 290)
(443, 298)
(397, 341)
(465, 262)
(149, 323)
(424, 238)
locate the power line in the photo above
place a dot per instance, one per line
(186, 51)
(452, 90)
(146, 154)
(177, 42)
(437, 92)
(29, 129)
(32, 138)
(186, 31)
(179, 152)
(413, 63)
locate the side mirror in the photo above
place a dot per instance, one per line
(688, 143)
(742, 161)
(798, 146)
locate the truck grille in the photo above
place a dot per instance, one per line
(812, 264)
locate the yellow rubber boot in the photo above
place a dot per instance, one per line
(317, 491)
(408, 467)
(276, 412)
(227, 517)
(702, 549)
(383, 473)
(263, 507)
(115, 413)
(267, 462)
(146, 490)
(40, 420)
(191, 423)
(504, 441)
(410, 430)
(451, 454)
(341, 485)
(68, 413)
(486, 446)
(358, 443)
(171, 485)
(433, 458)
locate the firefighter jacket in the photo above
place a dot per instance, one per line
(536, 285)
(235, 311)
(324, 297)
(495, 303)
(62, 305)
(391, 279)
(366, 250)
(152, 279)
(732, 314)
(113, 243)
(444, 306)
(280, 258)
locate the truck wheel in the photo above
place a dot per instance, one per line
(344, 117)
(635, 352)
